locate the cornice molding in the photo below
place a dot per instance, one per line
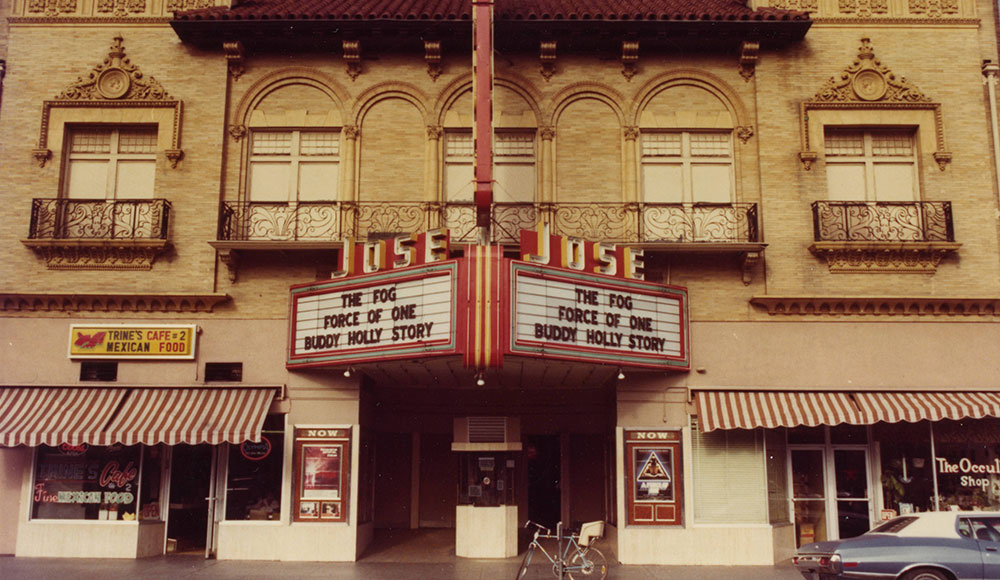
(877, 306)
(110, 302)
(900, 21)
(164, 20)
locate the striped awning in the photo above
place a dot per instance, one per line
(752, 409)
(932, 406)
(104, 416)
(193, 416)
(52, 416)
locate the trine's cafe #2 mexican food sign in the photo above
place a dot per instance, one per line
(566, 299)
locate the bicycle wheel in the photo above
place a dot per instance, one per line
(523, 571)
(589, 563)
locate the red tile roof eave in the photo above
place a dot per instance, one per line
(202, 16)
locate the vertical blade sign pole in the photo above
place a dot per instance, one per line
(482, 88)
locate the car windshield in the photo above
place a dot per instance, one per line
(892, 526)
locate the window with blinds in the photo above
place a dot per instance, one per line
(111, 163)
(289, 166)
(514, 155)
(871, 165)
(721, 458)
(687, 167)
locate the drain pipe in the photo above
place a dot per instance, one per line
(990, 72)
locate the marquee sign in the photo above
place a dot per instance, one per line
(578, 316)
(394, 314)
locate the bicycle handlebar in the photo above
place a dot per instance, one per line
(537, 525)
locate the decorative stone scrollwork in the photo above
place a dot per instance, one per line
(116, 78)
(803, 5)
(749, 54)
(174, 156)
(352, 56)
(864, 8)
(235, 58)
(121, 7)
(52, 7)
(630, 58)
(547, 133)
(867, 84)
(237, 132)
(435, 131)
(351, 132)
(547, 57)
(432, 55)
(934, 8)
(631, 133)
(744, 133)
(861, 257)
(41, 155)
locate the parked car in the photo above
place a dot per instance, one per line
(923, 546)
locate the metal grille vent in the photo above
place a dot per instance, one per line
(98, 371)
(487, 429)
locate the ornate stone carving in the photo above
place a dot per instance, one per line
(744, 133)
(749, 54)
(933, 8)
(876, 306)
(121, 7)
(352, 56)
(631, 133)
(892, 257)
(863, 8)
(174, 156)
(116, 78)
(630, 58)
(52, 7)
(868, 84)
(237, 132)
(435, 131)
(109, 302)
(547, 57)
(868, 80)
(432, 55)
(351, 132)
(98, 254)
(235, 58)
(178, 5)
(547, 133)
(41, 155)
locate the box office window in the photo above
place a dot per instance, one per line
(82, 482)
(253, 483)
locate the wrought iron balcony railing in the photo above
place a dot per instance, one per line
(856, 221)
(616, 222)
(99, 219)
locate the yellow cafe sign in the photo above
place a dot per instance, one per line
(121, 341)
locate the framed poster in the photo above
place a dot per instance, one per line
(653, 477)
(321, 474)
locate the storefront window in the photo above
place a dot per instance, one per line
(967, 460)
(253, 485)
(80, 482)
(720, 458)
(777, 476)
(152, 476)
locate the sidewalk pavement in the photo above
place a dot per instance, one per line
(185, 567)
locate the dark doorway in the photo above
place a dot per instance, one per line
(393, 464)
(544, 485)
(190, 486)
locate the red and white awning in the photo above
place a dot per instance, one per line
(105, 416)
(52, 416)
(193, 416)
(752, 409)
(769, 409)
(913, 407)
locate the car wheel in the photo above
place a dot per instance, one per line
(925, 574)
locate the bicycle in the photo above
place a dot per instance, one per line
(578, 559)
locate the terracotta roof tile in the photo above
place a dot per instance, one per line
(505, 10)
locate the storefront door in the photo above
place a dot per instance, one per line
(191, 518)
(830, 492)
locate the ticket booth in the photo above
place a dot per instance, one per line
(488, 451)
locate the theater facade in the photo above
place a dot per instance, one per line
(732, 284)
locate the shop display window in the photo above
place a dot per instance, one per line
(253, 483)
(719, 458)
(777, 476)
(83, 482)
(150, 492)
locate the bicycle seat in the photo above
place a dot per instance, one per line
(590, 531)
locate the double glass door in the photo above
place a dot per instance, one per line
(830, 492)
